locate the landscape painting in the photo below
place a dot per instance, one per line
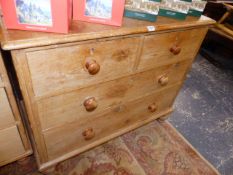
(34, 12)
(99, 8)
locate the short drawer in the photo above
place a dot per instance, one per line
(6, 115)
(77, 66)
(81, 134)
(11, 145)
(70, 107)
(165, 48)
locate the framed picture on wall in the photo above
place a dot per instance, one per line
(99, 11)
(43, 15)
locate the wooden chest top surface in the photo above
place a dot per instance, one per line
(81, 31)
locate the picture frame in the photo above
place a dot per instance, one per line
(108, 12)
(177, 9)
(197, 7)
(142, 9)
(45, 16)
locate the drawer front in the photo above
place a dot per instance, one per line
(69, 107)
(6, 116)
(170, 47)
(62, 140)
(11, 145)
(80, 65)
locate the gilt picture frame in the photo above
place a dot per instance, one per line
(108, 12)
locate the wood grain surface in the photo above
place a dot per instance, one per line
(11, 124)
(156, 49)
(6, 117)
(69, 107)
(11, 146)
(63, 68)
(79, 31)
(64, 139)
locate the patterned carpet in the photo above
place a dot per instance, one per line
(154, 149)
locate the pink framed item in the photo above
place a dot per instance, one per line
(42, 15)
(99, 11)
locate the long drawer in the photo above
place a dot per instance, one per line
(62, 140)
(76, 66)
(71, 107)
(6, 115)
(170, 47)
(11, 145)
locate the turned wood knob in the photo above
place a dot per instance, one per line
(92, 66)
(88, 134)
(152, 107)
(90, 104)
(175, 49)
(163, 80)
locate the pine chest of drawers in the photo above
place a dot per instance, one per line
(14, 142)
(99, 82)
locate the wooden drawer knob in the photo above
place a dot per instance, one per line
(88, 134)
(175, 49)
(92, 66)
(90, 104)
(163, 80)
(152, 107)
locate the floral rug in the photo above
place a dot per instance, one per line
(154, 149)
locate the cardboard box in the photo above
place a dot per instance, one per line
(43, 15)
(197, 7)
(108, 12)
(177, 9)
(142, 9)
